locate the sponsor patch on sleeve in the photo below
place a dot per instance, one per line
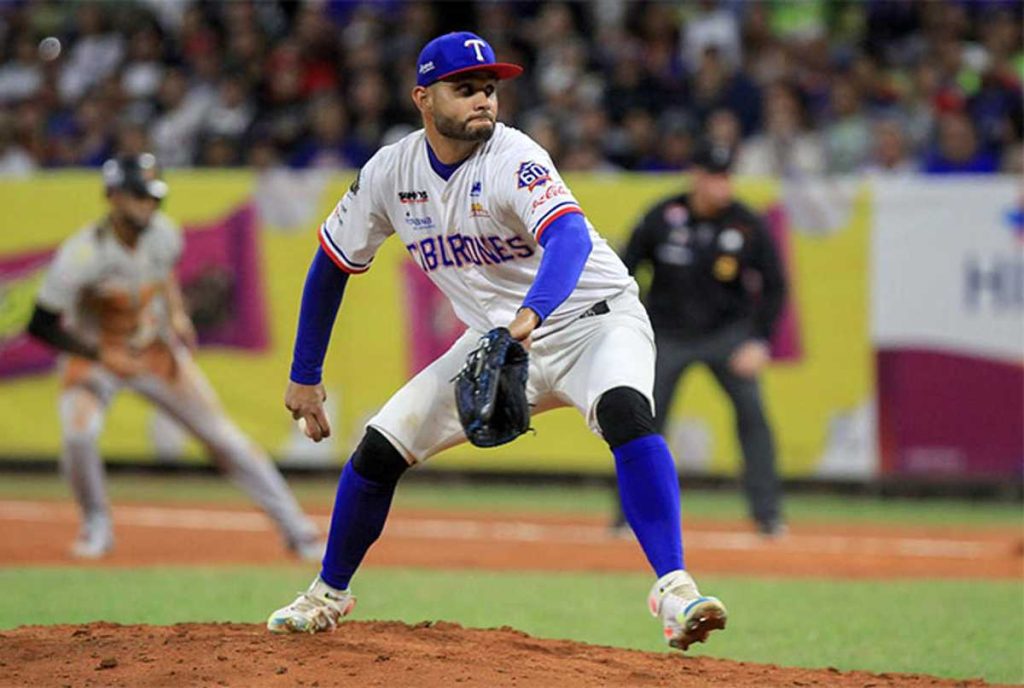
(551, 193)
(532, 174)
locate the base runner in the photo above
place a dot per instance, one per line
(111, 304)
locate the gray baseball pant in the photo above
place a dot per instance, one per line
(760, 481)
(187, 397)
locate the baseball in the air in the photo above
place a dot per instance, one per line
(49, 48)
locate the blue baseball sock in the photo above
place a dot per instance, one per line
(649, 490)
(360, 509)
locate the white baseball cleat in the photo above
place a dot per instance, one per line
(95, 538)
(687, 617)
(319, 609)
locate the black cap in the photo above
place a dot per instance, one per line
(716, 158)
(136, 174)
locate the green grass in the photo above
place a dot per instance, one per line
(588, 500)
(948, 628)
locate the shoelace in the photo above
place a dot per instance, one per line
(309, 603)
(474, 362)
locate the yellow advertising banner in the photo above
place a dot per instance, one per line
(819, 399)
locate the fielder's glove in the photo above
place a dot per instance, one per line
(490, 390)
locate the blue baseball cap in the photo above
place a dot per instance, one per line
(454, 53)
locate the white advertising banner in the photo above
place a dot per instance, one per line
(948, 263)
(948, 326)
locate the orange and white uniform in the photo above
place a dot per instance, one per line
(110, 294)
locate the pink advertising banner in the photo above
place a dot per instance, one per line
(220, 273)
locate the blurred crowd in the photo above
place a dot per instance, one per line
(809, 87)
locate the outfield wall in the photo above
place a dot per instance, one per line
(250, 239)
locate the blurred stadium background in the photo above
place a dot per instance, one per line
(894, 87)
(882, 139)
(900, 353)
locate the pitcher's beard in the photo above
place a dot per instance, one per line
(460, 131)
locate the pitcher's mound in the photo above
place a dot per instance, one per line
(365, 654)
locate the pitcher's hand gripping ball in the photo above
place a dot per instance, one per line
(490, 390)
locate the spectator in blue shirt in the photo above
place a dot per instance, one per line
(328, 144)
(957, 150)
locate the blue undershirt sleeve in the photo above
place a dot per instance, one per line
(321, 298)
(567, 245)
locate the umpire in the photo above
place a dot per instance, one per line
(716, 293)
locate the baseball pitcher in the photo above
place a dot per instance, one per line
(551, 312)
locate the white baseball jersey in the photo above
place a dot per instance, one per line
(476, 234)
(106, 290)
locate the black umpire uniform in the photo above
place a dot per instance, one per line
(717, 284)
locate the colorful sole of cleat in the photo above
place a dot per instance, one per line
(290, 625)
(703, 620)
(280, 626)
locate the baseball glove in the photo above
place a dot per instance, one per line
(490, 390)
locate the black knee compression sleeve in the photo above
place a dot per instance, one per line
(624, 415)
(377, 459)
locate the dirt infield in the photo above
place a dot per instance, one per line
(376, 654)
(444, 654)
(39, 533)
